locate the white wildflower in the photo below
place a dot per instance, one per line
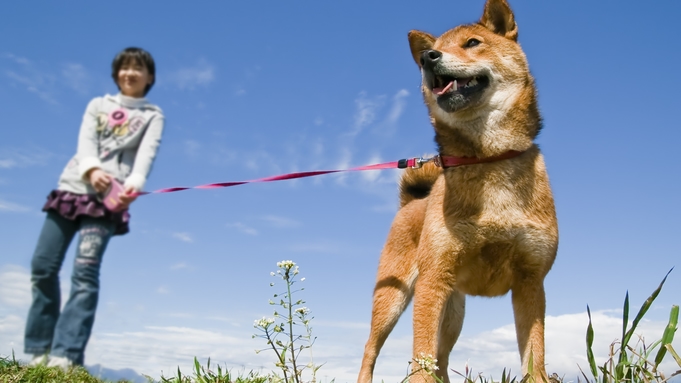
(427, 363)
(264, 322)
(288, 265)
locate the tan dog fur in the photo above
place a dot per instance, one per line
(483, 229)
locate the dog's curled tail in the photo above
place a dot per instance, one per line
(417, 183)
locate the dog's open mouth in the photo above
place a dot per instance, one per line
(456, 93)
(445, 84)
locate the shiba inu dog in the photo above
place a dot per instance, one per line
(481, 223)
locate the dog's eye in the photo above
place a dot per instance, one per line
(472, 43)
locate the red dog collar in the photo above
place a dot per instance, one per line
(451, 161)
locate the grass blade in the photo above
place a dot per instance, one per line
(589, 344)
(676, 356)
(625, 322)
(644, 308)
(668, 335)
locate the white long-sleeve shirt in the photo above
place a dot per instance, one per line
(124, 148)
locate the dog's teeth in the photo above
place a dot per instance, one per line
(472, 82)
(456, 85)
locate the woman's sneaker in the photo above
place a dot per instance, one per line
(38, 360)
(60, 361)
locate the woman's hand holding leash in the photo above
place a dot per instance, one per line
(128, 196)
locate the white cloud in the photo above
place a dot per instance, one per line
(281, 222)
(192, 148)
(201, 74)
(8, 163)
(365, 113)
(311, 247)
(373, 175)
(15, 286)
(16, 59)
(368, 111)
(389, 124)
(23, 157)
(11, 324)
(492, 351)
(179, 266)
(184, 237)
(154, 349)
(12, 207)
(398, 106)
(243, 228)
(12, 334)
(76, 77)
(34, 81)
(46, 81)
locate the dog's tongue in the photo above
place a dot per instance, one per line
(441, 91)
(452, 86)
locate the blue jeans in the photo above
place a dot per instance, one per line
(67, 334)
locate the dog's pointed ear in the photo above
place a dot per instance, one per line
(419, 42)
(498, 18)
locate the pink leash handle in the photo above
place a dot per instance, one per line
(401, 164)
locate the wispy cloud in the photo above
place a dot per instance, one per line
(370, 109)
(243, 228)
(179, 266)
(370, 116)
(365, 113)
(76, 77)
(199, 75)
(281, 222)
(315, 247)
(23, 157)
(184, 237)
(15, 287)
(389, 124)
(399, 101)
(17, 59)
(44, 80)
(35, 82)
(12, 207)
(25, 73)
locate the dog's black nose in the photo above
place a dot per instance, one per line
(430, 58)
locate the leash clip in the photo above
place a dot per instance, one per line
(414, 163)
(419, 162)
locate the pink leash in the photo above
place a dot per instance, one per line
(401, 164)
(417, 162)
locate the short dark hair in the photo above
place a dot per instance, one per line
(138, 55)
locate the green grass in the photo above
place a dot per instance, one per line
(13, 371)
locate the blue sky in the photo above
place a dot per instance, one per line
(252, 89)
